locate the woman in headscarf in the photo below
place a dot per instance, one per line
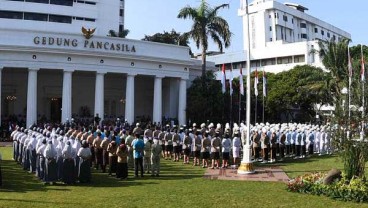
(84, 169)
(76, 146)
(68, 164)
(51, 172)
(59, 157)
(122, 165)
(41, 161)
(113, 159)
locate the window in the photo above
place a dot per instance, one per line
(35, 16)
(322, 32)
(90, 2)
(60, 19)
(121, 12)
(270, 28)
(315, 30)
(62, 2)
(266, 62)
(271, 39)
(121, 28)
(284, 60)
(269, 16)
(79, 18)
(299, 59)
(89, 19)
(328, 34)
(333, 37)
(303, 25)
(11, 15)
(292, 20)
(285, 18)
(304, 36)
(38, 1)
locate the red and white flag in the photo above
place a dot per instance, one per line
(362, 71)
(256, 83)
(241, 83)
(223, 79)
(350, 66)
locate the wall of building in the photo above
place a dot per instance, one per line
(103, 16)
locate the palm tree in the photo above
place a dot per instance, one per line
(206, 23)
(122, 34)
(334, 58)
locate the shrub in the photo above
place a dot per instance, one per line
(355, 189)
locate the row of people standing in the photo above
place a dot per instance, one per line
(289, 141)
(52, 157)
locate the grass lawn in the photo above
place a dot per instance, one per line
(179, 186)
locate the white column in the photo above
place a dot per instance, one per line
(182, 102)
(32, 97)
(99, 95)
(66, 110)
(157, 100)
(129, 98)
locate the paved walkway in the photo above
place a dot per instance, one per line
(274, 174)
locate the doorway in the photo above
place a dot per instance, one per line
(55, 109)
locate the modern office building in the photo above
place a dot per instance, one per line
(281, 37)
(53, 69)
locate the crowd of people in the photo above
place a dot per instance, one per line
(67, 153)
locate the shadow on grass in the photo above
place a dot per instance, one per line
(15, 179)
(36, 201)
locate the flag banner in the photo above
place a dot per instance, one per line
(231, 80)
(362, 71)
(264, 84)
(256, 83)
(241, 83)
(223, 79)
(350, 67)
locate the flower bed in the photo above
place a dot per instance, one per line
(355, 189)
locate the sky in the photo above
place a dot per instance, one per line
(147, 17)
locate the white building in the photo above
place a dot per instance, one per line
(62, 16)
(281, 37)
(49, 69)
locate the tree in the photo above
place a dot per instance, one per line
(206, 23)
(294, 94)
(205, 101)
(334, 58)
(353, 153)
(172, 37)
(122, 34)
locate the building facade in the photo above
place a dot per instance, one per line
(64, 16)
(281, 37)
(52, 71)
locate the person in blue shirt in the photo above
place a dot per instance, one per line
(138, 147)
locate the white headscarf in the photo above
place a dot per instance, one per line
(67, 151)
(50, 151)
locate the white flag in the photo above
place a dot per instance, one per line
(241, 83)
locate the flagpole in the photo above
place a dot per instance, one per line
(239, 105)
(231, 96)
(246, 166)
(255, 112)
(350, 74)
(263, 114)
(363, 82)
